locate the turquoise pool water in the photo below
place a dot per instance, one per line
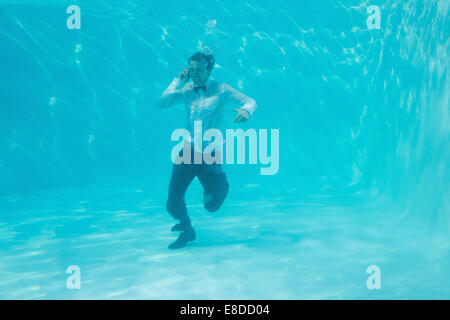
(363, 150)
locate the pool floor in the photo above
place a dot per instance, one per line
(284, 246)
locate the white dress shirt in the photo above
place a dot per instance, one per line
(205, 105)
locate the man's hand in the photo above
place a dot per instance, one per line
(184, 75)
(242, 115)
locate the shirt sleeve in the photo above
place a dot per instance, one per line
(174, 94)
(236, 97)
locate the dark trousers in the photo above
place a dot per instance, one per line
(212, 178)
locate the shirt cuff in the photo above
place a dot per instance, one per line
(248, 109)
(176, 81)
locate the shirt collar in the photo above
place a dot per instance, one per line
(206, 84)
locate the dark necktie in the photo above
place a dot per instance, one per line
(200, 88)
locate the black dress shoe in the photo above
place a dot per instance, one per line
(177, 227)
(186, 236)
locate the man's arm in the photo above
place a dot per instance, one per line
(246, 103)
(174, 94)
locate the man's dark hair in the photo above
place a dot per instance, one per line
(206, 58)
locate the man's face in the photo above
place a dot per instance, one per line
(198, 72)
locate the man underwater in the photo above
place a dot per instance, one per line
(205, 101)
